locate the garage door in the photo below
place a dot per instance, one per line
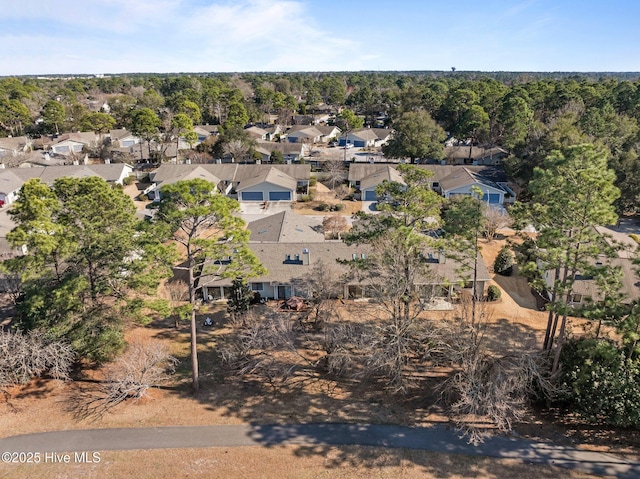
(370, 195)
(252, 195)
(494, 198)
(279, 196)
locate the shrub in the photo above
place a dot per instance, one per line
(313, 181)
(323, 207)
(600, 383)
(306, 198)
(635, 237)
(128, 180)
(504, 262)
(338, 207)
(493, 293)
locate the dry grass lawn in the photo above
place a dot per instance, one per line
(290, 462)
(46, 405)
(322, 194)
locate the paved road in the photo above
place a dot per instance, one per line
(437, 439)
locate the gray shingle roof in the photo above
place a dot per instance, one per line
(273, 255)
(12, 179)
(463, 177)
(286, 227)
(16, 143)
(228, 172)
(273, 176)
(388, 173)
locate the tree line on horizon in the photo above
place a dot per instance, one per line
(528, 114)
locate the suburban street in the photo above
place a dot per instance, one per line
(437, 439)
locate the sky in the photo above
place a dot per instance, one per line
(69, 37)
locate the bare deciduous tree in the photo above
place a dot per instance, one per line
(237, 149)
(493, 219)
(322, 286)
(269, 349)
(25, 356)
(144, 365)
(488, 391)
(334, 172)
(179, 296)
(334, 226)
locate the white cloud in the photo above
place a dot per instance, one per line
(173, 35)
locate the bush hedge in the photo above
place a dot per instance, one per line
(504, 262)
(599, 382)
(493, 293)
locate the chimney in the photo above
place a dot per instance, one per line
(187, 161)
(306, 256)
(107, 161)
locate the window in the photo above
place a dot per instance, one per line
(577, 298)
(257, 286)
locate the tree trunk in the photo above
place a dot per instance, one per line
(556, 359)
(548, 338)
(194, 342)
(553, 332)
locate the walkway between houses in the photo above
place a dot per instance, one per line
(437, 439)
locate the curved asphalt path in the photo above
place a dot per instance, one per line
(437, 439)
